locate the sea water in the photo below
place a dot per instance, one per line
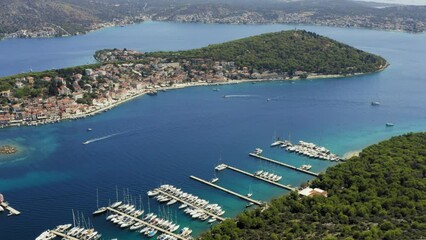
(154, 140)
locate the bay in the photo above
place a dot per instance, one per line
(166, 138)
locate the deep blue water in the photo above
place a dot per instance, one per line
(166, 138)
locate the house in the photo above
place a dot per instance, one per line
(5, 94)
(88, 72)
(30, 80)
(19, 84)
(47, 79)
(63, 90)
(310, 192)
(78, 77)
(77, 95)
(16, 108)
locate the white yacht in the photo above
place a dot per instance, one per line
(212, 220)
(152, 193)
(258, 151)
(306, 167)
(220, 167)
(171, 202)
(100, 210)
(46, 235)
(116, 204)
(214, 180)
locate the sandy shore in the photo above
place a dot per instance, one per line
(351, 154)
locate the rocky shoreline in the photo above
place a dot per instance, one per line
(8, 149)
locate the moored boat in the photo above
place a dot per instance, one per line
(258, 151)
(214, 180)
(116, 204)
(220, 167)
(306, 167)
(100, 210)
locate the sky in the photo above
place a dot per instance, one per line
(406, 2)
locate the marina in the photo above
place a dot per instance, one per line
(284, 164)
(66, 232)
(192, 205)
(145, 223)
(227, 190)
(310, 150)
(260, 178)
(54, 157)
(63, 235)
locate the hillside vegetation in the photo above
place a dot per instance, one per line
(79, 16)
(287, 52)
(36, 14)
(379, 195)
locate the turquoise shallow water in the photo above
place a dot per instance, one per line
(166, 138)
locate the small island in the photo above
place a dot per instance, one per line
(8, 149)
(77, 92)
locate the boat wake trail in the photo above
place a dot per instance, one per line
(103, 138)
(239, 96)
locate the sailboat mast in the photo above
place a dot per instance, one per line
(97, 198)
(73, 217)
(78, 219)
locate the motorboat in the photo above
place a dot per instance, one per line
(214, 180)
(258, 151)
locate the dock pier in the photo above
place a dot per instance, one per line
(283, 164)
(147, 223)
(191, 205)
(259, 178)
(226, 190)
(11, 210)
(63, 235)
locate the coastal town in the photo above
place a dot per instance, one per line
(54, 30)
(224, 16)
(86, 19)
(36, 99)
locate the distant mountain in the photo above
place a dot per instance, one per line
(45, 18)
(35, 14)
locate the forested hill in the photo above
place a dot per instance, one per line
(379, 195)
(287, 52)
(44, 18)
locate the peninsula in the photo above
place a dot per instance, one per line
(379, 195)
(51, 96)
